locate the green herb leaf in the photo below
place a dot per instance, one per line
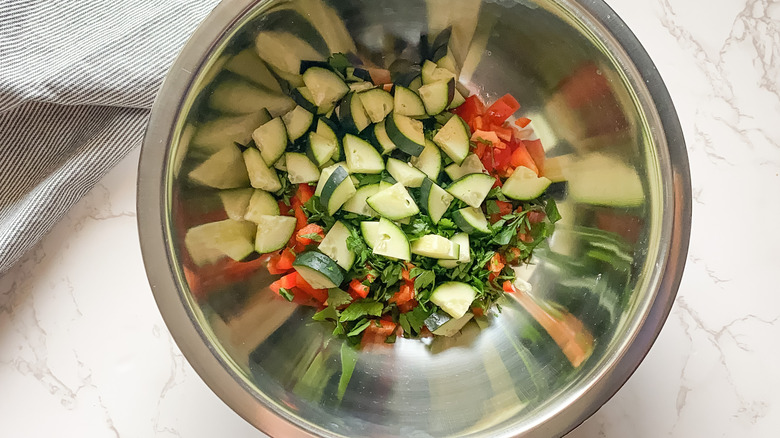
(328, 313)
(496, 193)
(552, 211)
(359, 327)
(390, 339)
(392, 274)
(338, 297)
(339, 62)
(424, 280)
(286, 294)
(361, 308)
(413, 321)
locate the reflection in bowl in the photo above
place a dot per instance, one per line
(599, 292)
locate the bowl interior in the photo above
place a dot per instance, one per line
(518, 370)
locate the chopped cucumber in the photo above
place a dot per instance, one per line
(429, 161)
(464, 254)
(454, 298)
(352, 114)
(394, 203)
(407, 103)
(471, 220)
(260, 175)
(405, 173)
(454, 139)
(407, 134)
(325, 175)
(380, 134)
(320, 148)
(524, 185)
(237, 96)
(284, 51)
(361, 156)
(337, 190)
(357, 87)
(281, 164)
(358, 205)
(319, 270)
(248, 65)
(436, 247)
(437, 96)
(453, 325)
(377, 102)
(303, 97)
(326, 86)
(471, 164)
(209, 242)
(235, 202)
(261, 204)
(334, 245)
(225, 131)
(271, 139)
(273, 232)
(457, 100)
(298, 122)
(472, 189)
(370, 232)
(434, 200)
(357, 74)
(300, 169)
(223, 170)
(600, 179)
(392, 241)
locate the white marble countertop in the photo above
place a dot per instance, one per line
(84, 351)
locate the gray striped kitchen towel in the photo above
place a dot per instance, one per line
(77, 80)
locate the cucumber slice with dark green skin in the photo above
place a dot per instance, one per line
(361, 156)
(303, 97)
(260, 175)
(377, 102)
(454, 138)
(361, 86)
(434, 200)
(337, 190)
(436, 247)
(437, 96)
(472, 189)
(319, 270)
(273, 232)
(320, 149)
(325, 174)
(370, 232)
(457, 100)
(354, 74)
(334, 245)
(392, 241)
(471, 220)
(271, 139)
(394, 203)
(407, 103)
(352, 115)
(209, 242)
(382, 139)
(326, 86)
(470, 165)
(261, 204)
(300, 169)
(454, 298)
(307, 64)
(328, 129)
(524, 185)
(235, 202)
(298, 122)
(406, 133)
(405, 173)
(429, 161)
(223, 170)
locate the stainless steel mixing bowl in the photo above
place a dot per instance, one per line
(609, 275)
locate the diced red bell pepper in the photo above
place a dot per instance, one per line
(358, 288)
(404, 294)
(502, 109)
(273, 265)
(286, 259)
(508, 287)
(479, 149)
(521, 157)
(304, 192)
(377, 332)
(504, 133)
(321, 295)
(522, 122)
(487, 160)
(495, 266)
(310, 230)
(485, 136)
(536, 151)
(502, 159)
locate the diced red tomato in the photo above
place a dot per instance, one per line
(284, 209)
(286, 259)
(521, 157)
(536, 151)
(470, 109)
(321, 295)
(536, 216)
(360, 289)
(504, 133)
(495, 266)
(478, 311)
(502, 160)
(404, 294)
(508, 288)
(522, 122)
(480, 149)
(408, 306)
(377, 332)
(513, 255)
(504, 208)
(304, 192)
(498, 183)
(273, 265)
(489, 136)
(287, 282)
(502, 109)
(309, 230)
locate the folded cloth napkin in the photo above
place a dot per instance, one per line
(77, 79)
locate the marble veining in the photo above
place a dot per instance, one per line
(84, 351)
